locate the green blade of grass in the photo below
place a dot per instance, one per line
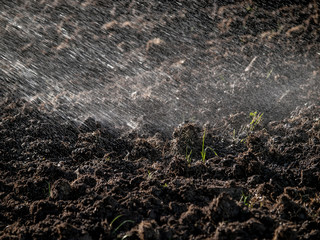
(121, 224)
(119, 216)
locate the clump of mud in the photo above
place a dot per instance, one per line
(62, 180)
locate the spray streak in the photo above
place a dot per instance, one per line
(153, 67)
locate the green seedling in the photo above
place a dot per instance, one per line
(149, 174)
(204, 150)
(222, 78)
(256, 119)
(107, 156)
(269, 73)
(245, 199)
(236, 136)
(188, 155)
(120, 225)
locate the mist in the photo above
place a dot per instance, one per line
(155, 64)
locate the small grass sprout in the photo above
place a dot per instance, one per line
(150, 174)
(188, 155)
(120, 225)
(107, 156)
(204, 150)
(269, 73)
(245, 199)
(256, 120)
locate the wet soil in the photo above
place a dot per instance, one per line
(61, 179)
(64, 181)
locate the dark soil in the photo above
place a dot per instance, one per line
(61, 179)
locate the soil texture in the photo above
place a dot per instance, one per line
(63, 181)
(239, 176)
